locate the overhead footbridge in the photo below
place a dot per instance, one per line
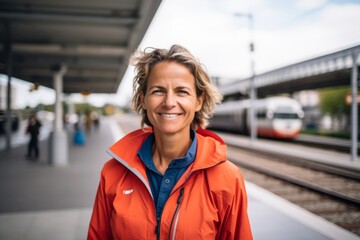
(334, 69)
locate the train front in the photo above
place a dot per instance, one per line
(283, 119)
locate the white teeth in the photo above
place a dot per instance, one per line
(169, 115)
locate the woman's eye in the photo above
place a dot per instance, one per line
(183, 92)
(157, 91)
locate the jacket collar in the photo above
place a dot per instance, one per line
(211, 150)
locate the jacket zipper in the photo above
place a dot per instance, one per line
(157, 228)
(158, 219)
(177, 206)
(176, 210)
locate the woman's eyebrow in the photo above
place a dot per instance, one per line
(156, 86)
(183, 87)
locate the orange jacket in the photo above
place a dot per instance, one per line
(208, 202)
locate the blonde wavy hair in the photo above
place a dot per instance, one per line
(144, 61)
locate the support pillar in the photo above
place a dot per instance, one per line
(8, 56)
(354, 108)
(58, 144)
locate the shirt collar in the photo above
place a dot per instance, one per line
(145, 153)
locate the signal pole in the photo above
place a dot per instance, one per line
(253, 93)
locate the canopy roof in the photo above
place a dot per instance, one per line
(92, 38)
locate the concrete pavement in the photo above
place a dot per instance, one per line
(40, 201)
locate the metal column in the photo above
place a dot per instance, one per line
(354, 107)
(8, 56)
(58, 147)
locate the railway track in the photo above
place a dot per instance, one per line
(327, 191)
(336, 144)
(321, 142)
(331, 196)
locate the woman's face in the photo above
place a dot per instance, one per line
(170, 99)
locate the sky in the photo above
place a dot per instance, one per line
(284, 32)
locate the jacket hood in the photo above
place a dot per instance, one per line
(211, 149)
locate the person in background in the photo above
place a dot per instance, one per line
(33, 129)
(171, 180)
(96, 119)
(88, 122)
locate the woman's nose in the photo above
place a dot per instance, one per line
(169, 100)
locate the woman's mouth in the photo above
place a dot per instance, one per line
(169, 115)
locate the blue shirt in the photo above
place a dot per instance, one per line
(161, 185)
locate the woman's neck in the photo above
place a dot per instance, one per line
(167, 148)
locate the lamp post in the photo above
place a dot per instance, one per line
(253, 94)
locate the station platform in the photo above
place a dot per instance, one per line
(40, 201)
(329, 156)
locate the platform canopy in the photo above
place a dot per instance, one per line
(92, 38)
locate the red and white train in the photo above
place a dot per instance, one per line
(277, 117)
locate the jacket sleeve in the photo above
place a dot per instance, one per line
(236, 224)
(99, 227)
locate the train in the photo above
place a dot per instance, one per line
(277, 117)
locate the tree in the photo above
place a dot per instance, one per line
(332, 102)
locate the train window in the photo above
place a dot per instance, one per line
(261, 115)
(286, 115)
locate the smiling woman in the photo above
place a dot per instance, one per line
(170, 100)
(145, 64)
(171, 180)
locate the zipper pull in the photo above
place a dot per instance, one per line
(180, 195)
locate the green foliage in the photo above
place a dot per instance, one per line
(83, 108)
(332, 100)
(338, 134)
(80, 108)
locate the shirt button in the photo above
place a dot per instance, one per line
(167, 180)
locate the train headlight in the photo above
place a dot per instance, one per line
(301, 114)
(269, 114)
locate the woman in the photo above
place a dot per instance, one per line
(172, 180)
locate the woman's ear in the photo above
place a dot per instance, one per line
(142, 100)
(199, 103)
